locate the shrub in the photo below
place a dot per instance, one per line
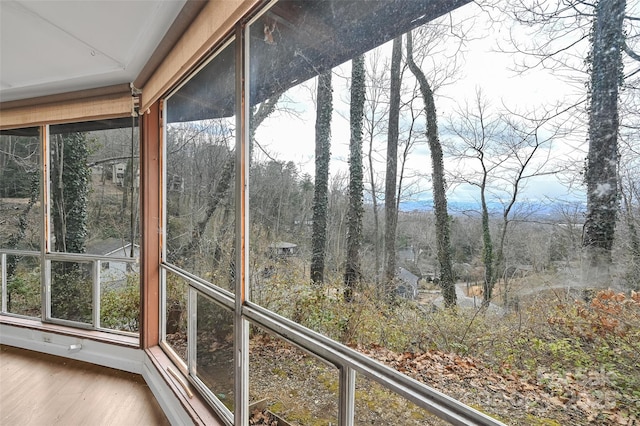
(120, 306)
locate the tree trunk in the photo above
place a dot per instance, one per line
(390, 208)
(258, 115)
(376, 217)
(69, 192)
(487, 244)
(439, 185)
(321, 188)
(633, 274)
(602, 162)
(70, 175)
(354, 215)
(224, 184)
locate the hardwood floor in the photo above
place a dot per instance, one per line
(39, 389)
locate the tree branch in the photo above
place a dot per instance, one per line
(630, 52)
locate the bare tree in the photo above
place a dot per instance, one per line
(374, 126)
(528, 142)
(567, 33)
(475, 133)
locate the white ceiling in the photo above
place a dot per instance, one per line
(50, 47)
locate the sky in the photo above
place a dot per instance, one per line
(289, 136)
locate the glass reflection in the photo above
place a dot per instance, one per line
(20, 208)
(200, 173)
(376, 405)
(214, 353)
(72, 291)
(289, 383)
(177, 297)
(23, 285)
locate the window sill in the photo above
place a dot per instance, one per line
(193, 404)
(98, 336)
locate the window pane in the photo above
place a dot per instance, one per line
(119, 296)
(177, 297)
(214, 354)
(94, 188)
(376, 405)
(20, 208)
(23, 285)
(72, 291)
(290, 383)
(200, 175)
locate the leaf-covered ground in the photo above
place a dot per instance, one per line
(570, 364)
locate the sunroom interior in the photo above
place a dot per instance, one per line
(134, 125)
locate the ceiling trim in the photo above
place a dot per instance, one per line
(68, 96)
(114, 105)
(189, 12)
(215, 22)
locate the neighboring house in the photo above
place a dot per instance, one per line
(175, 183)
(114, 272)
(407, 255)
(117, 175)
(408, 284)
(282, 249)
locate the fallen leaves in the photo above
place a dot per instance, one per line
(569, 399)
(262, 417)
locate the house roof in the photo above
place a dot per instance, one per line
(406, 276)
(282, 245)
(108, 247)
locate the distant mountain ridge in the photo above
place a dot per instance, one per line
(536, 208)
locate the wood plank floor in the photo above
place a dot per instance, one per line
(39, 389)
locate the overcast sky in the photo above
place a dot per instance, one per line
(484, 67)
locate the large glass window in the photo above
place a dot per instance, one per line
(394, 166)
(93, 198)
(20, 207)
(199, 255)
(20, 220)
(200, 173)
(94, 188)
(86, 266)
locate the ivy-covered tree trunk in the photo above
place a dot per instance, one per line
(356, 186)
(321, 187)
(602, 162)
(390, 206)
(439, 185)
(487, 244)
(69, 191)
(70, 292)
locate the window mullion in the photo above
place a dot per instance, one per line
(347, 396)
(3, 281)
(241, 325)
(192, 331)
(97, 264)
(45, 264)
